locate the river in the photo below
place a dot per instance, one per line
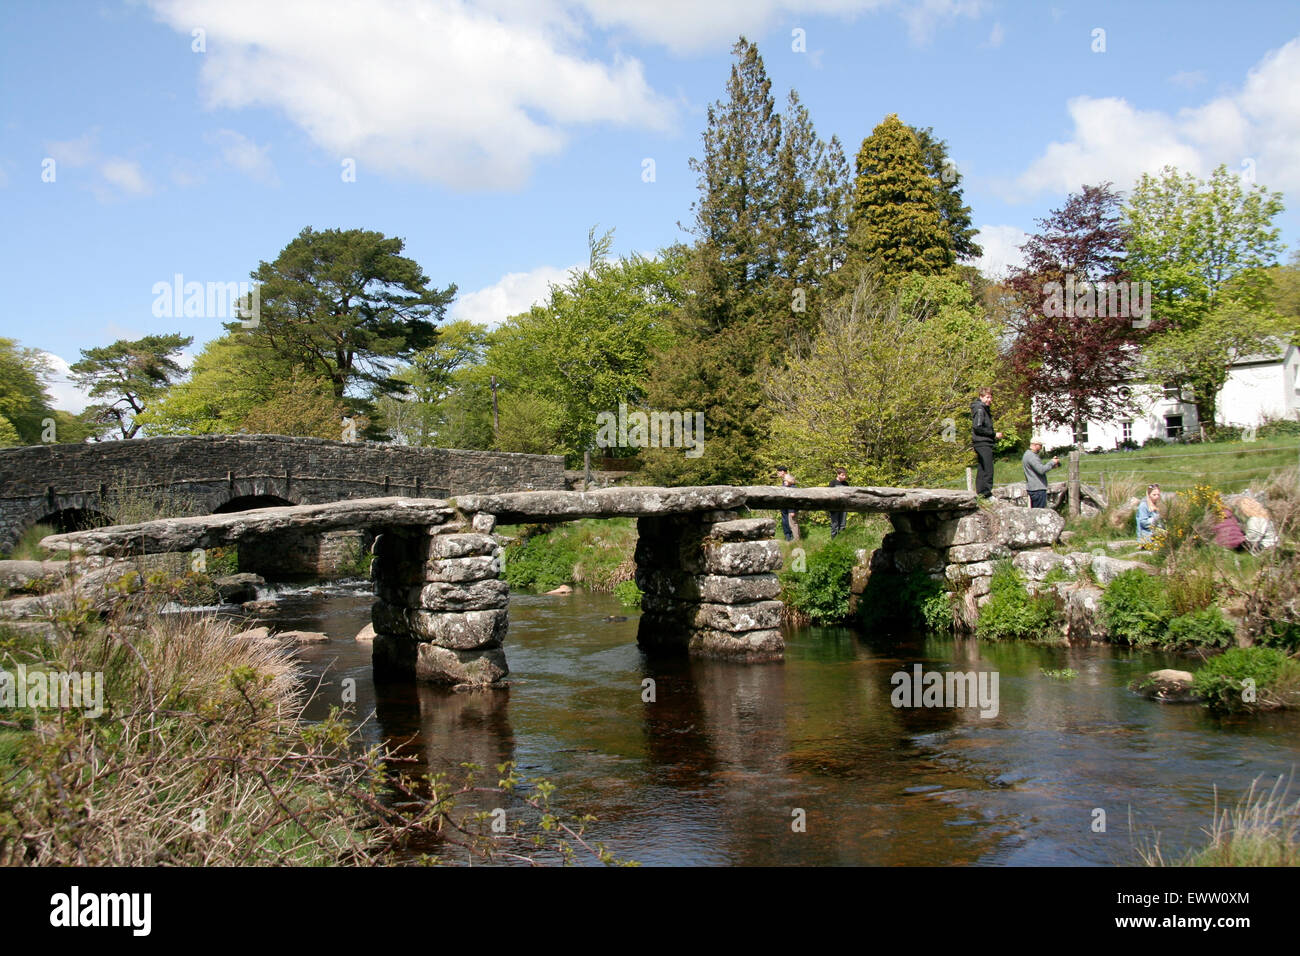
(717, 769)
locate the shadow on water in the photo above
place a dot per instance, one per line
(727, 760)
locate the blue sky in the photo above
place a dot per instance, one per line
(491, 136)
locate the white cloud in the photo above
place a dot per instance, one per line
(433, 89)
(1114, 140)
(124, 175)
(73, 152)
(513, 293)
(924, 17)
(241, 153)
(1001, 246)
(1188, 79)
(66, 395)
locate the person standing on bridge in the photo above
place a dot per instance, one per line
(788, 519)
(1036, 473)
(982, 437)
(838, 517)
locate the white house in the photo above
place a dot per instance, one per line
(1259, 388)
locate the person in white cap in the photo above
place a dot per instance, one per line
(1036, 473)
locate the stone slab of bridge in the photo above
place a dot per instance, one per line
(705, 564)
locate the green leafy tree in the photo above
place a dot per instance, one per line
(230, 377)
(24, 402)
(591, 346)
(1206, 247)
(128, 377)
(303, 407)
(423, 415)
(344, 304)
(882, 386)
(897, 225)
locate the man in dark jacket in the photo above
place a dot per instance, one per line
(838, 517)
(982, 437)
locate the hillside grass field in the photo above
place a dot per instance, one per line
(1228, 466)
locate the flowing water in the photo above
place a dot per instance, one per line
(716, 769)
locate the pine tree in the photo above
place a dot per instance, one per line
(954, 212)
(897, 224)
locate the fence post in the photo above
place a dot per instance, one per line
(1073, 486)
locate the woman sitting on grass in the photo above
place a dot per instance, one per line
(1148, 514)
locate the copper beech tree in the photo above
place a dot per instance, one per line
(1074, 350)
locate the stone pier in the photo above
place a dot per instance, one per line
(441, 608)
(961, 549)
(708, 585)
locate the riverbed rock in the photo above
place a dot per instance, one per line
(366, 635)
(253, 634)
(302, 637)
(1168, 685)
(263, 606)
(238, 588)
(562, 589)
(1106, 569)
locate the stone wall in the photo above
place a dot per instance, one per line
(708, 585)
(202, 473)
(961, 548)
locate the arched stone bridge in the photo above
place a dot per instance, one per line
(76, 486)
(705, 565)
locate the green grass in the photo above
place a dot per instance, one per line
(594, 552)
(1228, 466)
(29, 547)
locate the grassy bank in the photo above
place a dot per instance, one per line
(1230, 466)
(594, 553)
(1263, 829)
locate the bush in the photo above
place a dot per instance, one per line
(1282, 428)
(1273, 606)
(1137, 608)
(1222, 681)
(541, 563)
(1012, 612)
(1205, 628)
(628, 594)
(822, 591)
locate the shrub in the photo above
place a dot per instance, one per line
(1273, 606)
(541, 563)
(822, 591)
(1282, 428)
(1137, 608)
(628, 594)
(1222, 681)
(1205, 628)
(1012, 612)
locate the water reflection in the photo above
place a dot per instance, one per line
(714, 769)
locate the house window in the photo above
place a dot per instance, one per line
(1081, 435)
(1173, 426)
(1173, 392)
(1126, 431)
